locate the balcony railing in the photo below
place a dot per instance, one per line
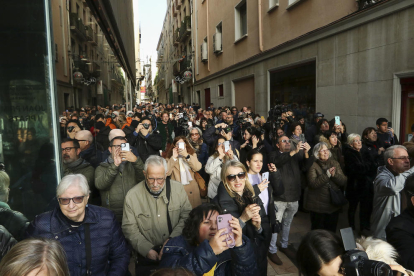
(176, 68)
(117, 78)
(96, 70)
(76, 25)
(185, 29)
(91, 36)
(185, 64)
(80, 65)
(177, 37)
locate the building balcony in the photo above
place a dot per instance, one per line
(177, 38)
(80, 65)
(118, 79)
(96, 70)
(77, 27)
(160, 55)
(185, 65)
(179, 2)
(174, 9)
(185, 29)
(91, 36)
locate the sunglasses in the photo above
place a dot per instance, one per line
(66, 201)
(232, 177)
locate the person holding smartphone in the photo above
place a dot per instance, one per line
(201, 248)
(385, 133)
(266, 186)
(182, 164)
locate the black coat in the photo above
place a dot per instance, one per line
(357, 168)
(372, 148)
(147, 146)
(260, 241)
(6, 241)
(15, 222)
(90, 155)
(110, 253)
(400, 234)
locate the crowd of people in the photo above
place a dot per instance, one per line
(192, 191)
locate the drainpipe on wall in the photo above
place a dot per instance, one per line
(260, 27)
(208, 38)
(192, 49)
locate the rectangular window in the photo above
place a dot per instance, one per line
(292, 1)
(241, 20)
(218, 39)
(273, 3)
(220, 91)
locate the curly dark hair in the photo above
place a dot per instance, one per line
(192, 223)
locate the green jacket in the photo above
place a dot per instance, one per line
(114, 185)
(161, 129)
(83, 168)
(145, 218)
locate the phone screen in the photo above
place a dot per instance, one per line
(181, 145)
(125, 146)
(337, 120)
(226, 146)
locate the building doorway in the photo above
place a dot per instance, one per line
(207, 98)
(407, 109)
(244, 93)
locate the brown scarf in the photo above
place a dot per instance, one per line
(243, 201)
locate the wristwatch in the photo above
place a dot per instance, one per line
(188, 157)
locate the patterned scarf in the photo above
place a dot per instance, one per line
(243, 201)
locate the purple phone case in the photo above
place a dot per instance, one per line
(223, 222)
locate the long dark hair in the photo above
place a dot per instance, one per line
(192, 223)
(318, 247)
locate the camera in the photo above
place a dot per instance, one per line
(355, 262)
(146, 126)
(71, 128)
(226, 130)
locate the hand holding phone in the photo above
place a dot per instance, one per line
(226, 146)
(125, 147)
(337, 120)
(181, 145)
(265, 176)
(223, 221)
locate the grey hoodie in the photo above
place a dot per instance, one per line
(387, 199)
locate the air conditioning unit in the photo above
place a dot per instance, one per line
(217, 46)
(204, 52)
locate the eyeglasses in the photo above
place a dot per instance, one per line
(152, 180)
(285, 141)
(357, 141)
(68, 149)
(402, 158)
(325, 150)
(66, 201)
(232, 177)
(194, 134)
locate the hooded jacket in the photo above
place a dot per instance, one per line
(114, 184)
(238, 261)
(387, 199)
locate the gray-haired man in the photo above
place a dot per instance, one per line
(154, 211)
(388, 184)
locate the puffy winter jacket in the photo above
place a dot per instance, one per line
(146, 146)
(317, 194)
(6, 241)
(238, 261)
(114, 184)
(110, 253)
(15, 222)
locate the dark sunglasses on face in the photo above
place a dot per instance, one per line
(232, 177)
(66, 201)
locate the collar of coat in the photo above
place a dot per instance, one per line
(58, 223)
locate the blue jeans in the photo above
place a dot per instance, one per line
(284, 214)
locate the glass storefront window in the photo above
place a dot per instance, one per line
(28, 132)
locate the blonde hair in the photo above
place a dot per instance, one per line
(4, 186)
(32, 254)
(236, 164)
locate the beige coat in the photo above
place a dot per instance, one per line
(192, 189)
(144, 223)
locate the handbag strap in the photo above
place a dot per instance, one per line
(168, 191)
(88, 249)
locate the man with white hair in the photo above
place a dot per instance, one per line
(121, 171)
(154, 211)
(388, 184)
(87, 147)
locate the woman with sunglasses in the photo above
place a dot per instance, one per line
(182, 164)
(214, 164)
(90, 235)
(236, 196)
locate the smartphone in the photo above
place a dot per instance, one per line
(226, 146)
(223, 222)
(265, 175)
(181, 145)
(337, 120)
(389, 124)
(190, 124)
(125, 146)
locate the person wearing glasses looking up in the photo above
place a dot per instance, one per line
(121, 171)
(105, 252)
(236, 196)
(388, 185)
(155, 211)
(74, 164)
(358, 165)
(290, 163)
